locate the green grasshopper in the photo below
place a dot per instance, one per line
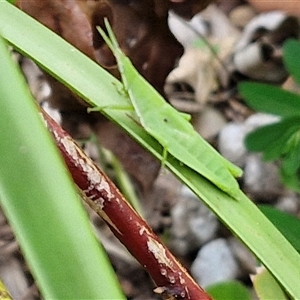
(171, 128)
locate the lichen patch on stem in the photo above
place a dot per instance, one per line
(94, 178)
(159, 253)
(97, 206)
(143, 230)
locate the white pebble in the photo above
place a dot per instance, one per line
(231, 143)
(214, 263)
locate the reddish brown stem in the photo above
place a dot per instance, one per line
(102, 196)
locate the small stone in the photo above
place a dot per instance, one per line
(246, 259)
(231, 138)
(231, 143)
(52, 112)
(203, 225)
(210, 122)
(288, 203)
(262, 179)
(214, 263)
(13, 278)
(259, 119)
(36, 80)
(241, 15)
(193, 224)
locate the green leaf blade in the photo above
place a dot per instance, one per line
(273, 139)
(270, 99)
(41, 203)
(228, 290)
(291, 49)
(266, 286)
(287, 224)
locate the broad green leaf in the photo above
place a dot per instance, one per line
(291, 181)
(273, 139)
(264, 137)
(287, 224)
(94, 85)
(289, 169)
(291, 50)
(41, 202)
(266, 287)
(229, 290)
(270, 99)
(280, 140)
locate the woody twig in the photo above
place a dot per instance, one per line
(171, 278)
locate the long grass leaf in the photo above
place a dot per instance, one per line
(41, 202)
